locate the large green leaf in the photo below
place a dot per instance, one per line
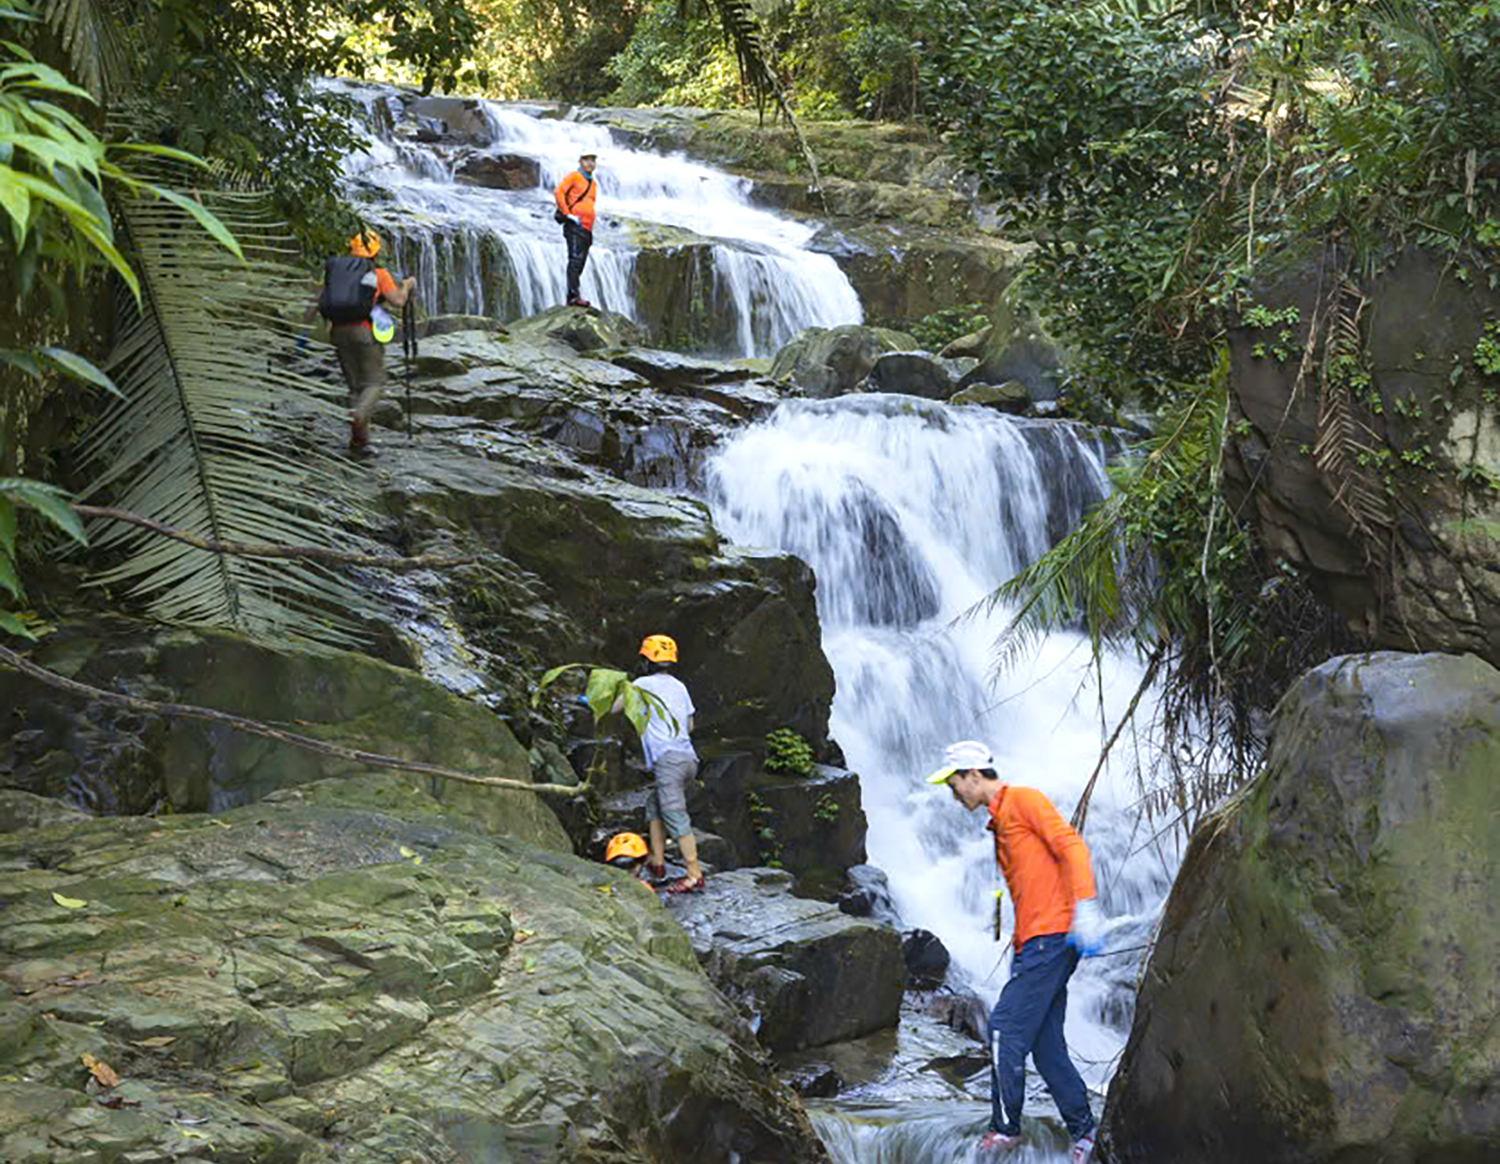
(212, 434)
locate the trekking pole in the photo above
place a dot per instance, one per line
(408, 353)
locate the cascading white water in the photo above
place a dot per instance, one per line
(909, 513)
(492, 252)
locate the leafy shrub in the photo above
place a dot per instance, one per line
(786, 751)
(936, 331)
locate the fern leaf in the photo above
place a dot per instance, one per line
(210, 434)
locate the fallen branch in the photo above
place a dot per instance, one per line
(251, 550)
(253, 727)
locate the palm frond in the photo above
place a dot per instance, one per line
(90, 36)
(210, 436)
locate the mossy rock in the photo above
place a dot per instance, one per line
(1323, 987)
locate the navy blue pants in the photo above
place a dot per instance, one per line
(579, 240)
(1028, 1019)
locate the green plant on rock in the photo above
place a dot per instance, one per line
(1487, 349)
(607, 690)
(762, 818)
(936, 331)
(827, 808)
(786, 751)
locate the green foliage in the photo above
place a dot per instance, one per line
(606, 689)
(762, 821)
(827, 808)
(936, 331)
(1487, 350)
(838, 59)
(786, 751)
(1166, 568)
(50, 504)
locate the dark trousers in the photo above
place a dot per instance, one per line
(1028, 1019)
(579, 240)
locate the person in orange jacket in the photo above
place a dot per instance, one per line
(575, 196)
(1047, 870)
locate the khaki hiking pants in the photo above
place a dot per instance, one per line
(363, 362)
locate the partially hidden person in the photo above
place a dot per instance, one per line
(1048, 873)
(628, 852)
(669, 753)
(352, 298)
(575, 196)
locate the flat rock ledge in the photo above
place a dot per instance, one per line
(344, 972)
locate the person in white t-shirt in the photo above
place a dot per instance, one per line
(669, 752)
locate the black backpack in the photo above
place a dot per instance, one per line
(345, 297)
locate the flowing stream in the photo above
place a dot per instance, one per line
(910, 512)
(478, 250)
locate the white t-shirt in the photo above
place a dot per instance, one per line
(660, 736)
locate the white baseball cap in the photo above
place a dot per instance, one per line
(960, 757)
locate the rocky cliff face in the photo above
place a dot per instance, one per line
(1324, 985)
(1415, 402)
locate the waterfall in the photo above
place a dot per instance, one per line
(497, 252)
(909, 513)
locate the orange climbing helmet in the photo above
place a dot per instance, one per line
(659, 649)
(625, 849)
(365, 244)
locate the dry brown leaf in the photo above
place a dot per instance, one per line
(100, 1070)
(157, 1041)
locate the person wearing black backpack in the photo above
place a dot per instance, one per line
(575, 211)
(352, 287)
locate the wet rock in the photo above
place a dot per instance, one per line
(1323, 985)
(913, 374)
(622, 561)
(971, 345)
(499, 171)
(868, 895)
(809, 974)
(1018, 349)
(359, 995)
(826, 362)
(25, 810)
(1012, 396)
(448, 119)
(814, 1081)
(926, 959)
(125, 761)
(582, 329)
(812, 826)
(436, 325)
(1436, 545)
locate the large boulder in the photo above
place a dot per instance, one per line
(499, 171)
(1017, 349)
(1420, 464)
(827, 362)
(609, 563)
(1324, 986)
(808, 973)
(119, 760)
(347, 972)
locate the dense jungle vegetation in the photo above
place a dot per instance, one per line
(1159, 155)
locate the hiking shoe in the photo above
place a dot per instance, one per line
(686, 886)
(359, 434)
(579, 301)
(995, 1141)
(1083, 1150)
(655, 874)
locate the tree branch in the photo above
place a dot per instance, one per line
(250, 550)
(253, 727)
(1081, 813)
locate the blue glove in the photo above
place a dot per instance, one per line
(302, 345)
(1086, 934)
(583, 699)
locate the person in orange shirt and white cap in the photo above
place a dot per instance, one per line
(1047, 870)
(575, 196)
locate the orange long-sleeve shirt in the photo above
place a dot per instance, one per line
(575, 195)
(1045, 862)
